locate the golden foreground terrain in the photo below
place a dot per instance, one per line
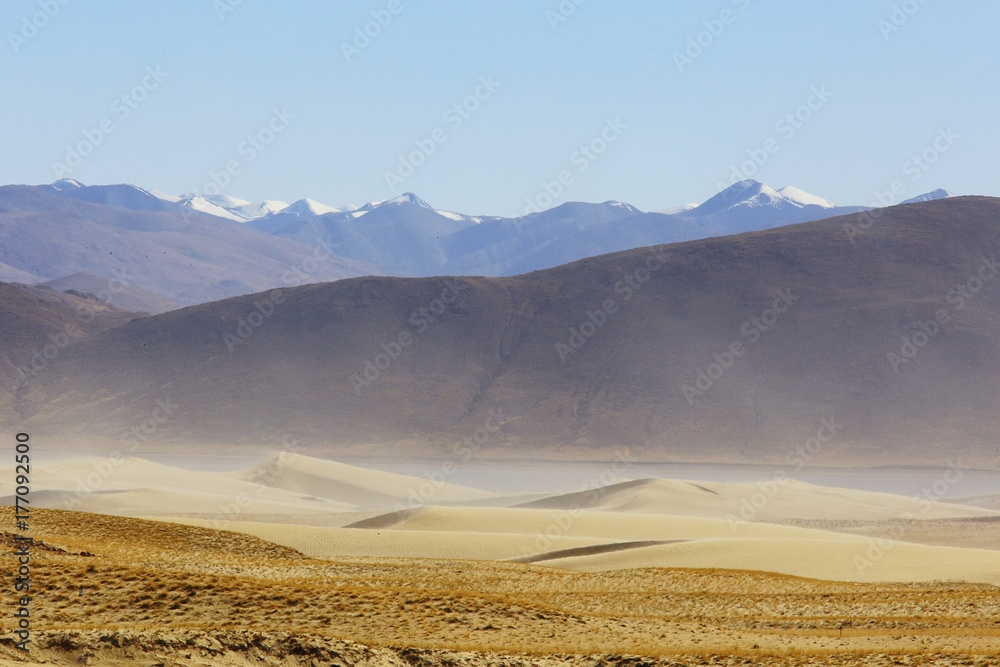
(112, 590)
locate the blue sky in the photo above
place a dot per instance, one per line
(684, 115)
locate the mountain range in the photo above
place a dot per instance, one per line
(858, 339)
(193, 249)
(187, 257)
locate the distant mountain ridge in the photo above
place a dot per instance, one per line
(402, 236)
(406, 236)
(129, 235)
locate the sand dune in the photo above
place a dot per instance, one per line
(137, 487)
(320, 542)
(357, 486)
(638, 524)
(832, 559)
(609, 539)
(289, 485)
(763, 501)
(503, 533)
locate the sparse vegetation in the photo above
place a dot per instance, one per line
(151, 576)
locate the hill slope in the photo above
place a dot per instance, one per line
(633, 349)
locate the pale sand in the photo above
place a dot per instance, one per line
(321, 542)
(758, 501)
(837, 560)
(291, 485)
(702, 519)
(506, 533)
(133, 486)
(358, 486)
(702, 543)
(288, 484)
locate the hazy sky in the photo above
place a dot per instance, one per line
(330, 122)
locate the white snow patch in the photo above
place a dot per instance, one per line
(452, 216)
(802, 197)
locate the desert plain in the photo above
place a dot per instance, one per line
(304, 561)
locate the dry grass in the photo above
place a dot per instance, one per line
(159, 577)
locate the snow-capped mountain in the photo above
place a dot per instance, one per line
(406, 236)
(678, 209)
(750, 205)
(802, 197)
(305, 207)
(405, 198)
(121, 195)
(204, 205)
(241, 210)
(754, 194)
(230, 208)
(114, 238)
(65, 185)
(266, 207)
(929, 196)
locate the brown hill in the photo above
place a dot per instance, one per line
(771, 346)
(113, 293)
(37, 325)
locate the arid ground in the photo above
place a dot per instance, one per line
(635, 578)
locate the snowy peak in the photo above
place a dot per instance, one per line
(225, 201)
(929, 196)
(621, 205)
(405, 198)
(683, 208)
(754, 194)
(802, 197)
(266, 207)
(203, 205)
(743, 193)
(64, 184)
(230, 208)
(309, 207)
